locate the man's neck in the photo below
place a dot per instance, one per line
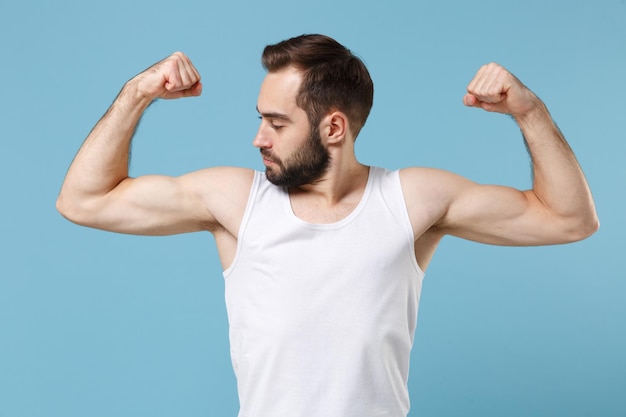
(333, 197)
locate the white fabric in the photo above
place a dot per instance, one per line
(322, 316)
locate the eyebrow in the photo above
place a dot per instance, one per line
(274, 115)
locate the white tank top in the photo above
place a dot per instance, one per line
(322, 316)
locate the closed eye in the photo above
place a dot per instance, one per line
(273, 124)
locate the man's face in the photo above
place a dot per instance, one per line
(305, 165)
(292, 150)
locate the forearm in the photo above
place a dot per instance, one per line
(558, 180)
(102, 161)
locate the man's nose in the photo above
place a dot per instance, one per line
(262, 140)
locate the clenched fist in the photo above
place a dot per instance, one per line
(173, 77)
(495, 89)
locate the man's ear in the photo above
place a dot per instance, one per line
(335, 127)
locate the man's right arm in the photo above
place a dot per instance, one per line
(97, 191)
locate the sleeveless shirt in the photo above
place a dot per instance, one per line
(322, 316)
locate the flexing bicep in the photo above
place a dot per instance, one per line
(445, 203)
(151, 205)
(161, 205)
(502, 216)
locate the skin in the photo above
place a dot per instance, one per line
(97, 191)
(304, 166)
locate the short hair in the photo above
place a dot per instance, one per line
(332, 77)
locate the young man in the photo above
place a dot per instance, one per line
(323, 256)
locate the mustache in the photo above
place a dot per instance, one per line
(267, 154)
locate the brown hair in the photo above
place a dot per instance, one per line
(333, 78)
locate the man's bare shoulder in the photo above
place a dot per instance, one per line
(432, 181)
(221, 188)
(224, 192)
(428, 193)
(234, 178)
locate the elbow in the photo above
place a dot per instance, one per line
(592, 225)
(583, 228)
(64, 208)
(71, 210)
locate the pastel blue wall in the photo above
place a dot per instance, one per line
(97, 324)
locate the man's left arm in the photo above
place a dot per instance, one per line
(558, 209)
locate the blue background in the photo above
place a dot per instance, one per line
(99, 324)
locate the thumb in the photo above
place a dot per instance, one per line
(172, 82)
(470, 100)
(195, 90)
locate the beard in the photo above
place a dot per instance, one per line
(305, 166)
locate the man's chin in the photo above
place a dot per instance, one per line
(280, 180)
(273, 177)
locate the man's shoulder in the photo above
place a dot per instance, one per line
(432, 183)
(420, 174)
(224, 180)
(227, 174)
(224, 193)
